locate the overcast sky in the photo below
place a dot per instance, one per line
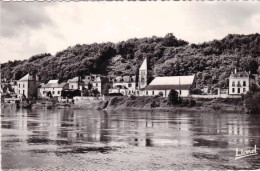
(31, 28)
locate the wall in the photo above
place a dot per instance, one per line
(184, 93)
(211, 96)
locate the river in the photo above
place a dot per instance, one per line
(59, 139)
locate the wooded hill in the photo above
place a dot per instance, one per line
(212, 62)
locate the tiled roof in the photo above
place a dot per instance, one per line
(239, 74)
(54, 85)
(168, 87)
(125, 79)
(25, 78)
(75, 79)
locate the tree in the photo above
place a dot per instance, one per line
(173, 97)
(251, 102)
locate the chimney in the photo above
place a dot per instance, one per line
(37, 78)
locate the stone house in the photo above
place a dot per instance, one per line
(28, 86)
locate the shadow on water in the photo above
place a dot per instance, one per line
(210, 143)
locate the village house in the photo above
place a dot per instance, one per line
(98, 82)
(90, 82)
(52, 88)
(28, 86)
(163, 85)
(74, 83)
(238, 83)
(125, 85)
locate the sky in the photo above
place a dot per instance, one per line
(30, 28)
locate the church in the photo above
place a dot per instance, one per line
(129, 85)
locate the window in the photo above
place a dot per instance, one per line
(238, 90)
(19, 85)
(180, 92)
(43, 92)
(71, 86)
(244, 83)
(244, 89)
(19, 91)
(58, 92)
(238, 84)
(53, 92)
(233, 83)
(96, 84)
(153, 92)
(23, 85)
(146, 92)
(23, 91)
(142, 79)
(233, 90)
(129, 85)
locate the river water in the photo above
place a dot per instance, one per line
(43, 139)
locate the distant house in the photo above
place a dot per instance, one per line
(97, 82)
(74, 83)
(163, 85)
(128, 83)
(28, 86)
(238, 83)
(52, 88)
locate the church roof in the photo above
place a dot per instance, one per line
(171, 82)
(144, 65)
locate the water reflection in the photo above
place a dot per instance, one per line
(80, 131)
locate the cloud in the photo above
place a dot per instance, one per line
(21, 17)
(37, 27)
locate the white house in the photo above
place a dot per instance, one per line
(52, 87)
(163, 85)
(238, 83)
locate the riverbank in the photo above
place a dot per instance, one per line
(156, 103)
(161, 104)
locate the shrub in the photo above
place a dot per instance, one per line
(155, 104)
(173, 97)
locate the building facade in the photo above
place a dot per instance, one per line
(27, 86)
(239, 83)
(52, 88)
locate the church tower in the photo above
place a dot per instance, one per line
(143, 75)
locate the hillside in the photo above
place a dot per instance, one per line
(212, 61)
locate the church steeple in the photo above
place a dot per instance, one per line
(143, 75)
